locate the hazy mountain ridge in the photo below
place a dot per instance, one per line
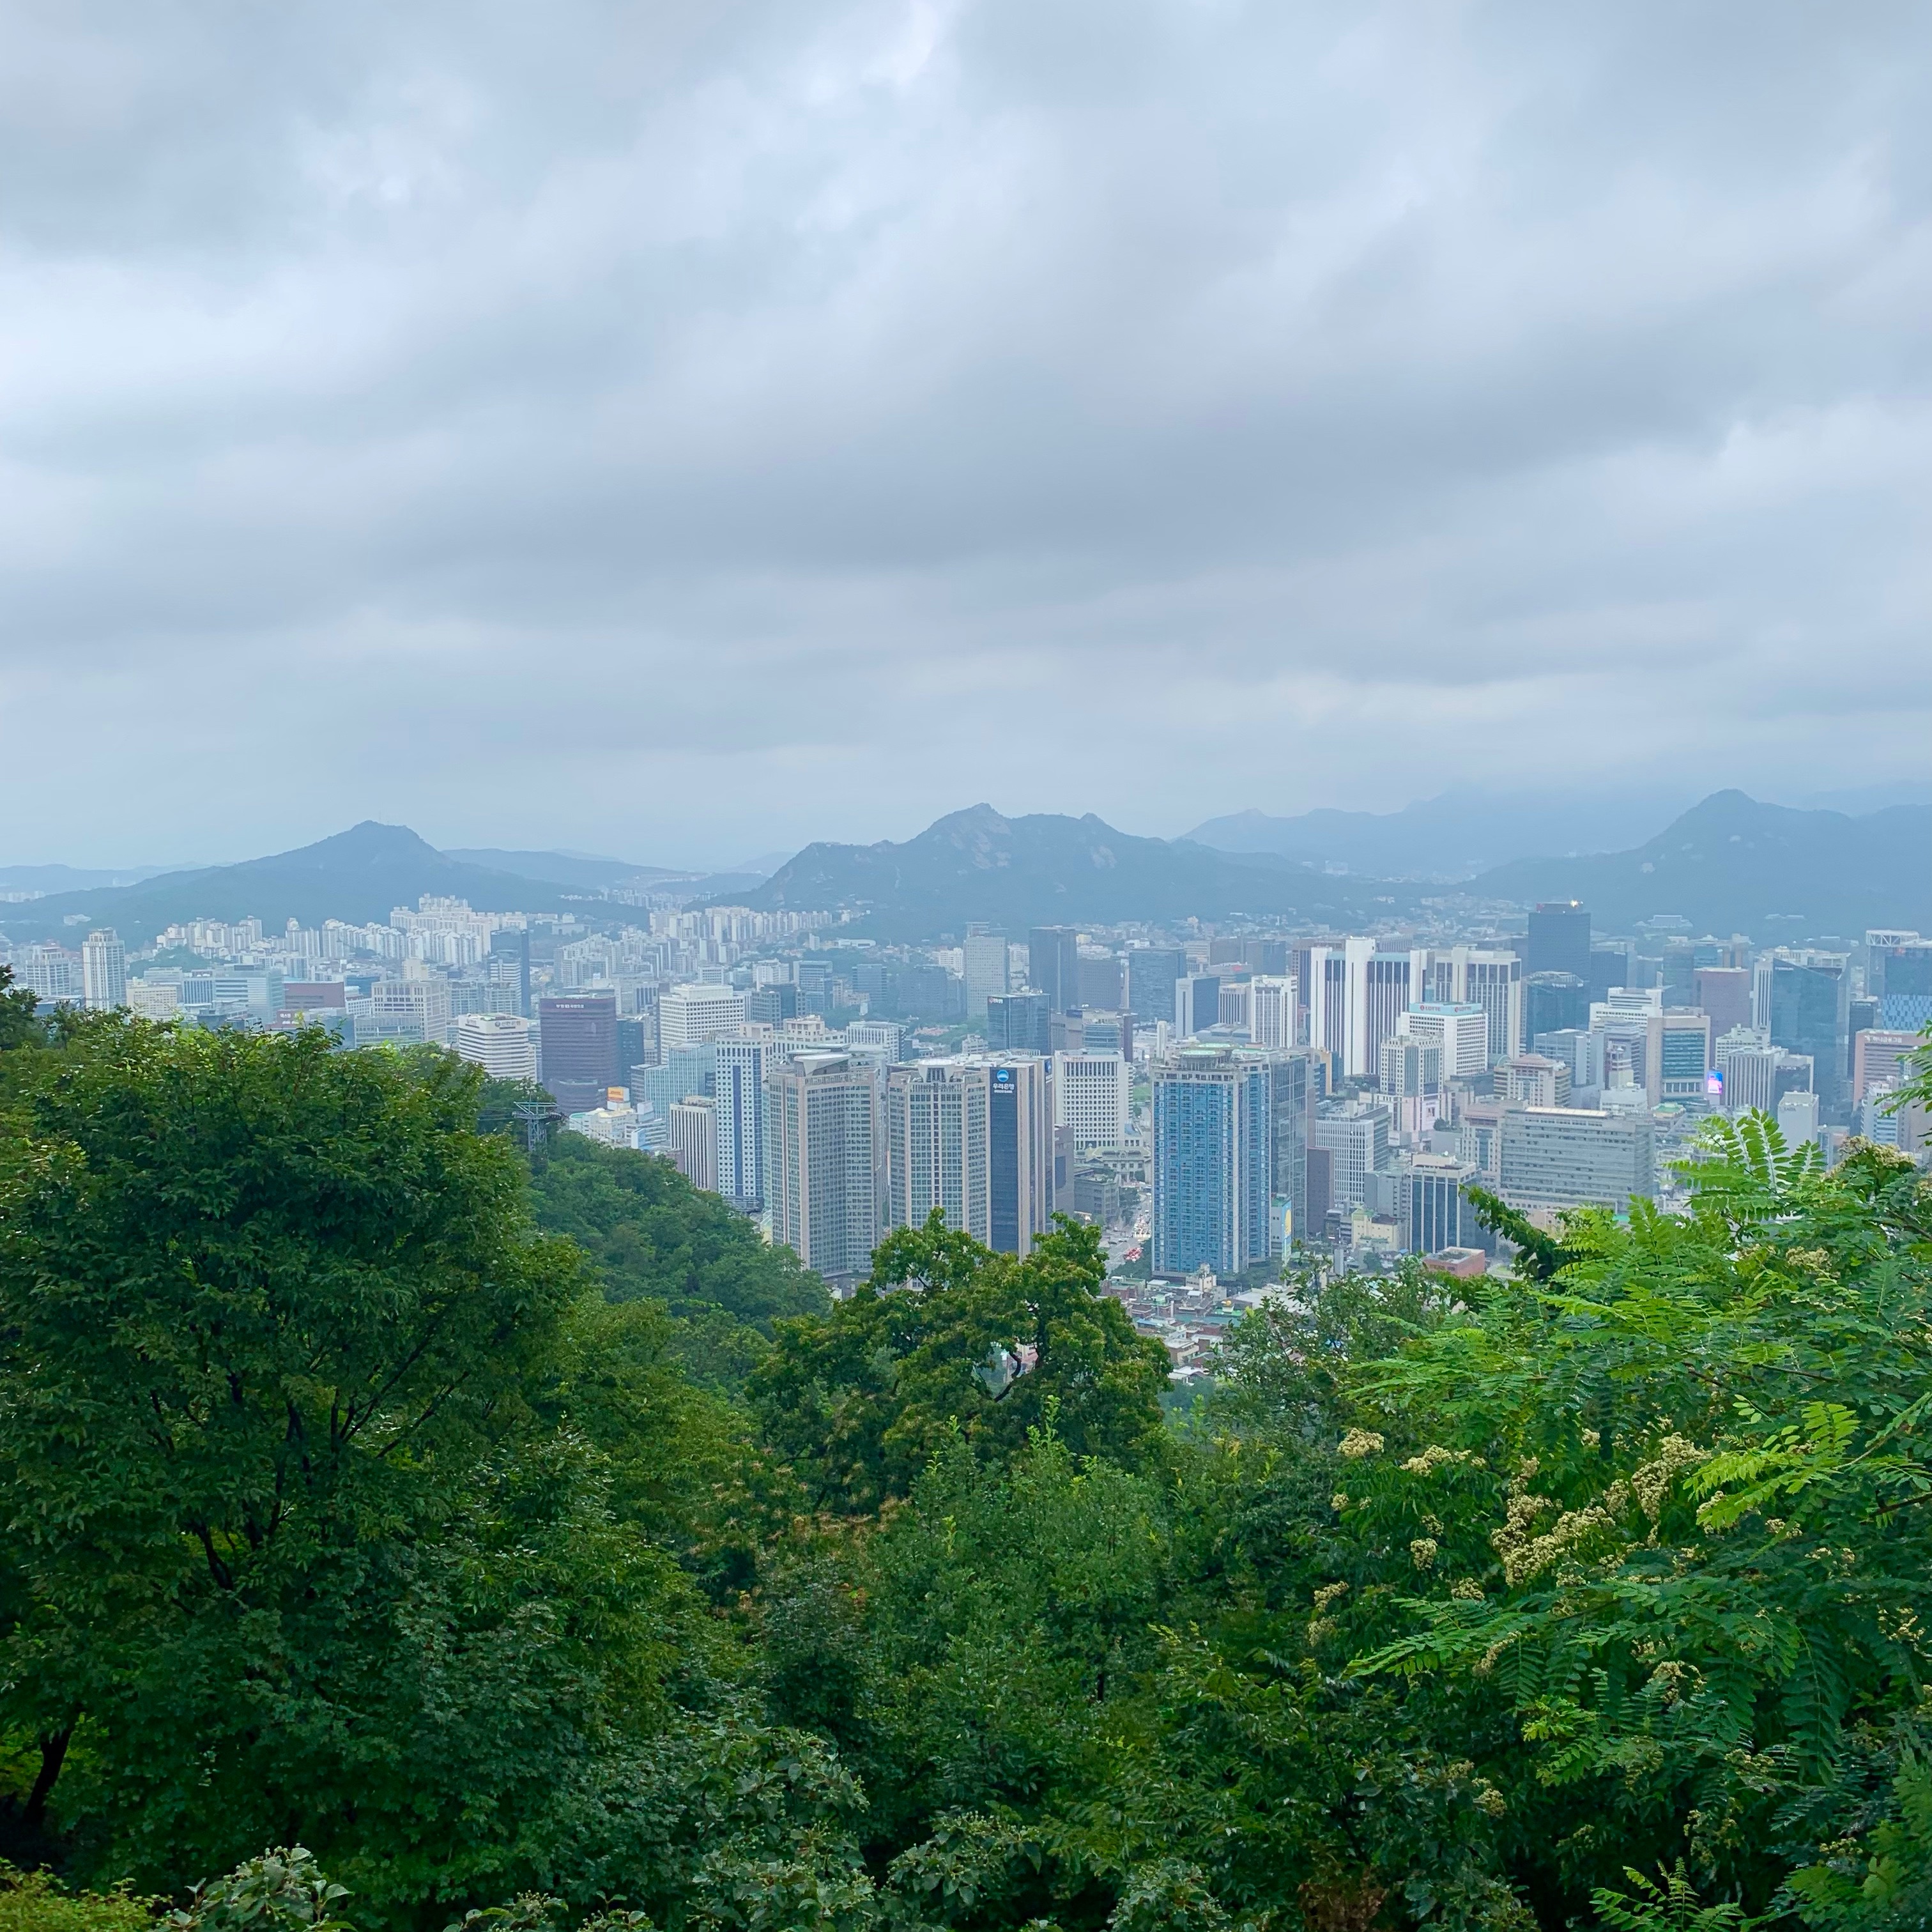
(358, 875)
(1454, 836)
(1731, 864)
(1042, 868)
(50, 879)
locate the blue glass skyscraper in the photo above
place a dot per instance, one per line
(1212, 1161)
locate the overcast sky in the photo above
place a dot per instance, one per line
(684, 430)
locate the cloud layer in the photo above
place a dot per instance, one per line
(689, 429)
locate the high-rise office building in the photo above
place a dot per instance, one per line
(1411, 1080)
(1753, 1075)
(1477, 976)
(813, 979)
(987, 969)
(1108, 1033)
(103, 970)
(1392, 983)
(1559, 942)
(1357, 994)
(739, 1069)
(1019, 1128)
(1627, 1041)
(1382, 986)
(1151, 973)
(685, 1072)
(1271, 1011)
(499, 1043)
(1326, 987)
(1091, 1096)
(1879, 1058)
(636, 1039)
(973, 1136)
(1570, 1050)
(825, 1171)
(426, 1002)
(1053, 965)
(884, 1040)
(1724, 993)
(1433, 1211)
(1862, 1014)
(693, 1140)
(1103, 980)
(509, 962)
(1267, 958)
(1019, 1023)
(1555, 1002)
(1355, 1134)
(1798, 1118)
(1612, 963)
(1212, 1178)
(773, 1005)
(1898, 965)
(1809, 997)
(1462, 1031)
(936, 1147)
(688, 1014)
(1295, 1087)
(1533, 1080)
(576, 1047)
(1684, 1055)
(1197, 1003)
(1576, 1157)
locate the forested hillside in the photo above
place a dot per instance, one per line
(366, 1492)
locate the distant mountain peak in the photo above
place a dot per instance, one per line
(369, 842)
(974, 819)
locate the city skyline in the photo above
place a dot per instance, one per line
(726, 432)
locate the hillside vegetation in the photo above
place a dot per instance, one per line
(370, 1539)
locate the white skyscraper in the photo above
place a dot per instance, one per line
(973, 1136)
(1462, 1030)
(739, 1081)
(693, 1140)
(826, 1172)
(1475, 976)
(986, 964)
(1798, 1118)
(103, 970)
(423, 1004)
(500, 1043)
(1328, 996)
(1271, 1004)
(883, 1040)
(1357, 995)
(687, 1015)
(1354, 1134)
(1092, 1094)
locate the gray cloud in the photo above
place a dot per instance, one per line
(684, 428)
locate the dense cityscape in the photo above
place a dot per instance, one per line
(965, 966)
(1230, 1102)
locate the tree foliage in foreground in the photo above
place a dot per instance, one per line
(984, 1346)
(650, 1235)
(346, 1510)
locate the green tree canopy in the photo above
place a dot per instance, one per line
(947, 1337)
(288, 1544)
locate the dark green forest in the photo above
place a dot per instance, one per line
(404, 1529)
